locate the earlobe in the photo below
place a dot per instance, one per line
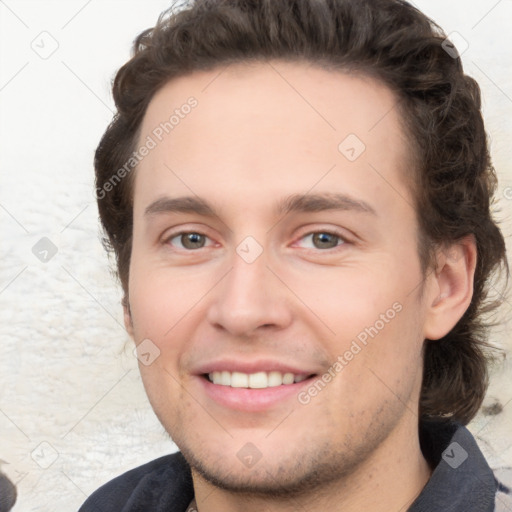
(128, 324)
(451, 288)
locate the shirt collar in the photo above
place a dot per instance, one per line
(461, 479)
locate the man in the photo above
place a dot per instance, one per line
(297, 194)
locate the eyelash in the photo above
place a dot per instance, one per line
(168, 239)
(341, 239)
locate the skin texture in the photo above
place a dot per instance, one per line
(259, 134)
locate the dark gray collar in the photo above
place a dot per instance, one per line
(462, 480)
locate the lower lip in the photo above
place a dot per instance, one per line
(252, 400)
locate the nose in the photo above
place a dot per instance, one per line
(250, 299)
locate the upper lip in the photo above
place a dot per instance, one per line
(255, 366)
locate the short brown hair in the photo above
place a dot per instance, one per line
(393, 42)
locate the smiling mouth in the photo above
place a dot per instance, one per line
(258, 380)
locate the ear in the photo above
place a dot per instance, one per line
(128, 324)
(451, 288)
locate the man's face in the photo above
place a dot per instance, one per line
(291, 253)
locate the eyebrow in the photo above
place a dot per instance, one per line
(185, 204)
(307, 203)
(319, 202)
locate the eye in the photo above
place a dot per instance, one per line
(321, 240)
(189, 241)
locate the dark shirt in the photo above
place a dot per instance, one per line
(7, 493)
(461, 480)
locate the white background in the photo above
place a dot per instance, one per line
(73, 412)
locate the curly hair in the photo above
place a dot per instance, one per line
(390, 40)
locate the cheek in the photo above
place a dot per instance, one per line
(160, 307)
(162, 298)
(156, 314)
(374, 318)
(349, 300)
(389, 365)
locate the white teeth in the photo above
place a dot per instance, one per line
(239, 380)
(225, 378)
(275, 379)
(259, 380)
(288, 378)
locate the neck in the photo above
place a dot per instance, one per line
(391, 479)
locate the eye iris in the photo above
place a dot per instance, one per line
(192, 240)
(325, 240)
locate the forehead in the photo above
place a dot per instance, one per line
(278, 125)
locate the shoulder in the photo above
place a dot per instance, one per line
(158, 485)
